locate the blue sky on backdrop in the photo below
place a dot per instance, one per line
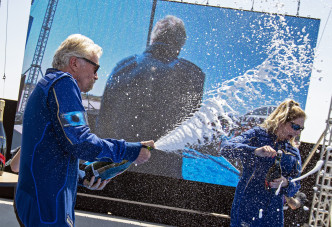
(225, 43)
(319, 95)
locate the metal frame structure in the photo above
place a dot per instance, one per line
(321, 208)
(35, 67)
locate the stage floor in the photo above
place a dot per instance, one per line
(83, 219)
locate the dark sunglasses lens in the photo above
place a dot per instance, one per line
(296, 127)
(94, 64)
(96, 68)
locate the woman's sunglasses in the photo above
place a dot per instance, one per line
(296, 127)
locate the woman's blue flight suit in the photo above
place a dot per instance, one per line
(251, 195)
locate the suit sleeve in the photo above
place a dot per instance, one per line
(240, 147)
(73, 133)
(293, 187)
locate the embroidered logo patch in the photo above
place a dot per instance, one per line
(75, 118)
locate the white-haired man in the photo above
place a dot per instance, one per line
(56, 135)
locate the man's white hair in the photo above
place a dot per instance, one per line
(75, 45)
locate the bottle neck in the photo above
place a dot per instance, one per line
(2, 109)
(1, 115)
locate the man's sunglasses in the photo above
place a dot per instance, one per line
(296, 127)
(92, 63)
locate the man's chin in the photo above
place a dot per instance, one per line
(89, 88)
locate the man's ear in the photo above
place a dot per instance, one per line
(73, 64)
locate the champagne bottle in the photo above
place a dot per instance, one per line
(3, 146)
(104, 170)
(274, 172)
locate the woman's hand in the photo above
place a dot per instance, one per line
(265, 151)
(293, 202)
(276, 182)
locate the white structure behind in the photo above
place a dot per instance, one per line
(14, 19)
(321, 80)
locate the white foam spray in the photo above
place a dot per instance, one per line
(278, 190)
(260, 213)
(282, 74)
(319, 165)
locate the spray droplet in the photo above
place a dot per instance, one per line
(260, 213)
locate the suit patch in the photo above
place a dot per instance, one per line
(75, 118)
(43, 81)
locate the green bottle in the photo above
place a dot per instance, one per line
(274, 172)
(104, 170)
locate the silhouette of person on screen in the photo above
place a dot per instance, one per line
(147, 95)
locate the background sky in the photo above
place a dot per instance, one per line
(105, 22)
(226, 44)
(319, 91)
(14, 16)
(230, 43)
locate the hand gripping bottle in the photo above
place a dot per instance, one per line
(275, 171)
(104, 170)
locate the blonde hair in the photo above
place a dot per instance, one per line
(169, 30)
(75, 45)
(287, 111)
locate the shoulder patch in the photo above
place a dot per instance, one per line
(49, 80)
(43, 81)
(75, 118)
(50, 76)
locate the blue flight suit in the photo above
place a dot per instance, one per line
(251, 195)
(55, 136)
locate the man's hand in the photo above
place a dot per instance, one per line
(265, 151)
(144, 154)
(95, 186)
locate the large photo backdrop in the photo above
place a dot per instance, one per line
(242, 64)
